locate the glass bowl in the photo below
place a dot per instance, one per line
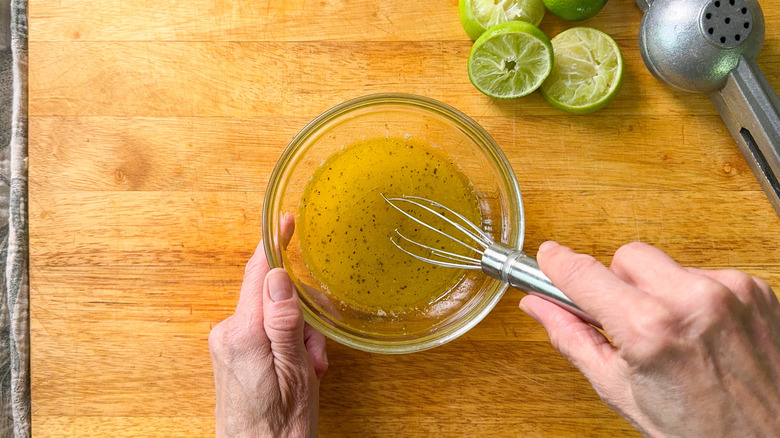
(455, 135)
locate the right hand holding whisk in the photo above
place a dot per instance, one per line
(692, 352)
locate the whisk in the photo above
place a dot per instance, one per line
(502, 262)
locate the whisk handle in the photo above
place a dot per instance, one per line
(520, 270)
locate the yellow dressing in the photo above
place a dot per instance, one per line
(345, 226)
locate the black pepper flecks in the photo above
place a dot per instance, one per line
(342, 202)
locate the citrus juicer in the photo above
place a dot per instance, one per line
(710, 46)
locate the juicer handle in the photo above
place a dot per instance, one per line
(519, 270)
(749, 107)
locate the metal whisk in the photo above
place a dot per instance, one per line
(510, 265)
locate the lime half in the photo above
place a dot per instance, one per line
(511, 59)
(587, 73)
(478, 15)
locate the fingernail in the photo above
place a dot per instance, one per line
(325, 357)
(528, 311)
(279, 286)
(548, 245)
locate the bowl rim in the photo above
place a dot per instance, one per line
(489, 146)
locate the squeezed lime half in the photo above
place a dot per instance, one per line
(478, 15)
(587, 73)
(509, 60)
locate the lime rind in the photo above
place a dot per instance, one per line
(510, 60)
(468, 21)
(587, 72)
(574, 10)
(478, 15)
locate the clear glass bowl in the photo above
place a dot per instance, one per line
(438, 124)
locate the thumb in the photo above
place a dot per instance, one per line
(283, 318)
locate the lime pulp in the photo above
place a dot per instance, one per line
(478, 15)
(510, 60)
(587, 72)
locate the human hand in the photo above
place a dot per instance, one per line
(267, 361)
(693, 353)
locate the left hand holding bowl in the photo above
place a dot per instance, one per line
(267, 361)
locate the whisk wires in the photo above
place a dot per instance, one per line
(437, 256)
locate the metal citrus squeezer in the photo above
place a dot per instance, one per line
(710, 46)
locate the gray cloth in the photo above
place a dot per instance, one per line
(14, 285)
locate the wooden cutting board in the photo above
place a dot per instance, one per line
(153, 129)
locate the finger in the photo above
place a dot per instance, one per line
(767, 289)
(315, 346)
(283, 319)
(649, 269)
(578, 342)
(323, 301)
(589, 284)
(250, 301)
(287, 229)
(745, 287)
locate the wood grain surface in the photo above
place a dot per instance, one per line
(153, 130)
